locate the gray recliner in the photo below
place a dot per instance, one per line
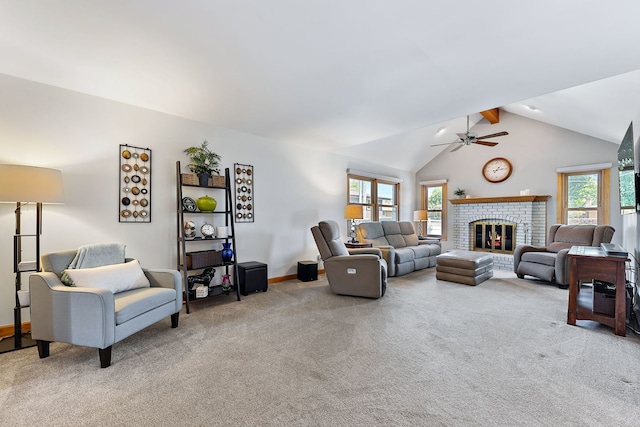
(95, 317)
(550, 262)
(355, 272)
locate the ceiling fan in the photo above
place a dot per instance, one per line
(471, 138)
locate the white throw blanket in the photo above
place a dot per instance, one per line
(95, 255)
(98, 255)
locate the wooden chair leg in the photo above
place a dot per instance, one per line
(43, 348)
(174, 320)
(105, 357)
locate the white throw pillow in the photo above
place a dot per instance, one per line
(115, 277)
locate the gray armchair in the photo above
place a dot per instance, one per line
(95, 317)
(550, 262)
(355, 272)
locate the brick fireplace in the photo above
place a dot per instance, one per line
(526, 214)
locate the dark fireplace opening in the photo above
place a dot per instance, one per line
(493, 236)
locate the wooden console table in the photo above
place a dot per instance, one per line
(590, 263)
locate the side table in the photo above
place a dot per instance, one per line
(589, 263)
(358, 245)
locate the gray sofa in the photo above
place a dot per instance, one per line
(550, 262)
(400, 245)
(95, 317)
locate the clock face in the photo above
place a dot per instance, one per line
(207, 230)
(497, 170)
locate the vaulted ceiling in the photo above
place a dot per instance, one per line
(351, 76)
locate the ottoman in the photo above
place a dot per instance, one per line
(467, 267)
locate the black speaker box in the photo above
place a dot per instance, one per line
(252, 277)
(307, 271)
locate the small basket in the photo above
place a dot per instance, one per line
(190, 179)
(202, 259)
(218, 181)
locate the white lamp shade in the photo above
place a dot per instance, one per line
(419, 215)
(30, 184)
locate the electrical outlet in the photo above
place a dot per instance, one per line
(351, 271)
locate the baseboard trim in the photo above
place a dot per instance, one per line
(287, 277)
(7, 330)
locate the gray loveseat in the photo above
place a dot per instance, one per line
(97, 317)
(400, 245)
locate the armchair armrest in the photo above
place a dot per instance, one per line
(83, 316)
(562, 267)
(166, 278)
(365, 251)
(522, 249)
(361, 275)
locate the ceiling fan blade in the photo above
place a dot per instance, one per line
(446, 143)
(462, 136)
(493, 135)
(487, 143)
(457, 148)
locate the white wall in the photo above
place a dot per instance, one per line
(535, 150)
(79, 134)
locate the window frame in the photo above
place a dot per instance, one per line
(424, 197)
(602, 208)
(374, 205)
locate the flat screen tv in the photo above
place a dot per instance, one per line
(626, 174)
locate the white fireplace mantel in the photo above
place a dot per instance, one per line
(529, 212)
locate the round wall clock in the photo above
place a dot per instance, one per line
(497, 170)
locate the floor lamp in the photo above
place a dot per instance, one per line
(23, 185)
(419, 217)
(353, 212)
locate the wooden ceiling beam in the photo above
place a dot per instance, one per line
(493, 115)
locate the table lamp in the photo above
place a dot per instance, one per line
(23, 185)
(419, 217)
(353, 212)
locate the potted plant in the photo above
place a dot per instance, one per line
(204, 162)
(459, 192)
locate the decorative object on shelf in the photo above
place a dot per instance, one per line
(204, 162)
(135, 185)
(189, 229)
(459, 192)
(188, 204)
(420, 216)
(204, 278)
(206, 204)
(244, 178)
(208, 231)
(353, 212)
(226, 283)
(227, 252)
(497, 170)
(23, 185)
(221, 232)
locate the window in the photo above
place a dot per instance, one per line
(434, 202)
(379, 198)
(582, 199)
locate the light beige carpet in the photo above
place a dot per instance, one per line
(429, 353)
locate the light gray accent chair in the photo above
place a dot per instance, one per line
(95, 317)
(400, 246)
(550, 262)
(354, 272)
